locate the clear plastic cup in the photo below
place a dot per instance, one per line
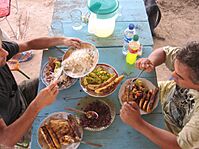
(76, 18)
(57, 28)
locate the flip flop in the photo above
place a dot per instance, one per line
(24, 56)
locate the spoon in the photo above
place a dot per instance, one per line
(66, 55)
(89, 114)
(92, 144)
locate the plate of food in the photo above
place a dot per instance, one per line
(78, 62)
(102, 81)
(60, 130)
(103, 107)
(142, 91)
(50, 71)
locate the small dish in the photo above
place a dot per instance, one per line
(142, 91)
(47, 75)
(63, 117)
(102, 74)
(105, 110)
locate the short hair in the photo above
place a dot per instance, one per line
(189, 55)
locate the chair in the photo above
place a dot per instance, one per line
(5, 12)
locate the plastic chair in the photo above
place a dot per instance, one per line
(5, 12)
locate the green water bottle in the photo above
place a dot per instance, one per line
(133, 48)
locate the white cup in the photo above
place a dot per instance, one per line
(76, 18)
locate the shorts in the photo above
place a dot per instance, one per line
(28, 89)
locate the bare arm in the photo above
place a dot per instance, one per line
(46, 42)
(157, 57)
(161, 137)
(130, 115)
(9, 135)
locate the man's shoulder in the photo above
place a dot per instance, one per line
(171, 48)
(11, 47)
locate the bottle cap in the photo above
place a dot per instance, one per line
(135, 37)
(131, 26)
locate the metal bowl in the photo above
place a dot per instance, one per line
(83, 103)
(47, 82)
(57, 115)
(74, 60)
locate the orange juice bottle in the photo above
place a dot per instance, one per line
(133, 48)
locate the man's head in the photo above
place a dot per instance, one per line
(186, 65)
(3, 53)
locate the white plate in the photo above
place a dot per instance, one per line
(57, 115)
(44, 80)
(88, 49)
(147, 83)
(111, 70)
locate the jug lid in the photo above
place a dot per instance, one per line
(103, 8)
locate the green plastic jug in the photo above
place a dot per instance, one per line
(103, 16)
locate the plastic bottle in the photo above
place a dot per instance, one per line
(133, 48)
(128, 35)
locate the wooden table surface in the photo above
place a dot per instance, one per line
(118, 135)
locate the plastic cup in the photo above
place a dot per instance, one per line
(76, 18)
(57, 28)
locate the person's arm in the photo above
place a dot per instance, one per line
(130, 115)
(156, 58)
(10, 135)
(46, 42)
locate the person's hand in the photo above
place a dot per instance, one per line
(130, 114)
(72, 42)
(145, 63)
(47, 95)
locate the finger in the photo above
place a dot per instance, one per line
(76, 44)
(56, 87)
(55, 92)
(131, 106)
(52, 85)
(134, 105)
(127, 108)
(76, 39)
(138, 63)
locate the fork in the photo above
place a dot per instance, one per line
(138, 75)
(132, 82)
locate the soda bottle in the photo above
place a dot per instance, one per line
(133, 48)
(128, 35)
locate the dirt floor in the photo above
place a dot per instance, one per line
(178, 25)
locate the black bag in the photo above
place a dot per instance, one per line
(154, 14)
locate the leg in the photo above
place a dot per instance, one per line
(29, 89)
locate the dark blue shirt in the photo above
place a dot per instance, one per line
(10, 103)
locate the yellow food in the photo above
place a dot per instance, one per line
(98, 76)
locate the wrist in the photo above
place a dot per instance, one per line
(65, 40)
(138, 124)
(37, 107)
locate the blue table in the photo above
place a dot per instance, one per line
(118, 135)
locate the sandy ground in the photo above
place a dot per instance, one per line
(178, 25)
